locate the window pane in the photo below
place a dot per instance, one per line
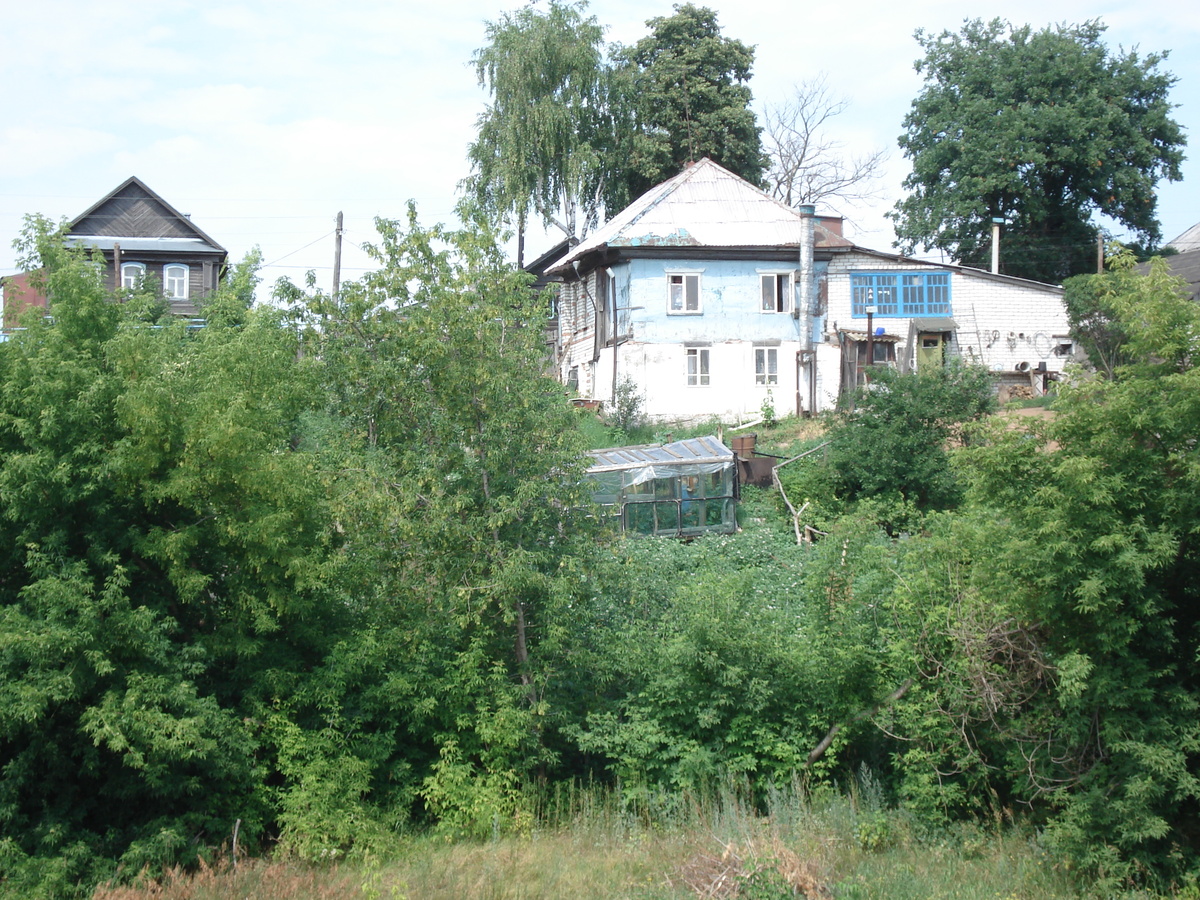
(176, 282)
(693, 292)
(768, 293)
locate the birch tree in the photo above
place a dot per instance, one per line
(546, 138)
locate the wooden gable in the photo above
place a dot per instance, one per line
(135, 211)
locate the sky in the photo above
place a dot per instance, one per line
(264, 119)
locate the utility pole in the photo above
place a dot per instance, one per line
(337, 256)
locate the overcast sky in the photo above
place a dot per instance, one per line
(264, 119)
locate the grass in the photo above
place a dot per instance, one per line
(825, 847)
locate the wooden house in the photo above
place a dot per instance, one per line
(143, 238)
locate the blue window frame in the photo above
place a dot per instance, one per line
(900, 293)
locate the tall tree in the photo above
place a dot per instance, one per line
(807, 165)
(1044, 129)
(545, 141)
(465, 507)
(164, 574)
(686, 84)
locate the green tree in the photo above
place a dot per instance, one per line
(686, 86)
(893, 445)
(469, 536)
(1043, 129)
(166, 559)
(546, 141)
(1097, 305)
(1058, 650)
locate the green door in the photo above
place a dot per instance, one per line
(931, 349)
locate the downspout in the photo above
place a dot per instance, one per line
(612, 294)
(804, 318)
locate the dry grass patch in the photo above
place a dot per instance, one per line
(741, 867)
(286, 880)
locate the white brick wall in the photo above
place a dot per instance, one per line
(1002, 322)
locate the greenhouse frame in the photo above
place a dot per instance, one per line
(682, 489)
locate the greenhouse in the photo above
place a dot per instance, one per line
(681, 489)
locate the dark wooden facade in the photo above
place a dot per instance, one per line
(134, 226)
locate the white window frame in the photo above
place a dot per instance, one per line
(171, 282)
(698, 368)
(778, 301)
(133, 275)
(766, 359)
(677, 291)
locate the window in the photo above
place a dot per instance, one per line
(175, 281)
(766, 365)
(683, 294)
(132, 275)
(697, 367)
(776, 291)
(900, 293)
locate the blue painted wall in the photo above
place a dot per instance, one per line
(730, 294)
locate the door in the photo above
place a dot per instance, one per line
(931, 349)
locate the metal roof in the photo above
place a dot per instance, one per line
(878, 339)
(1189, 240)
(940, 324)
(143, 245)
(705, 205)
(686, 452)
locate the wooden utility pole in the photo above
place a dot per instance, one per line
(337, 256)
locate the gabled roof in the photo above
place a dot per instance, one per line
(705, 205)
(132, 210)
(1189, 240)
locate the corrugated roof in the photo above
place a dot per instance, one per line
(693, 450)
(705, 205)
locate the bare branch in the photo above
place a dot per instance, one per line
(808, 166)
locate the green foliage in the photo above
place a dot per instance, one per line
(1056, 661)
(686, 84)
(330, 572)
(630, 402)
(1040, 128)
(767, 411)
(892, 448)
(472, 540)
(164, 554)
(547, 140)
(1097, 306)
(734, 656)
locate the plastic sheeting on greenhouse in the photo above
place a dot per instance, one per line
(682, 489)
